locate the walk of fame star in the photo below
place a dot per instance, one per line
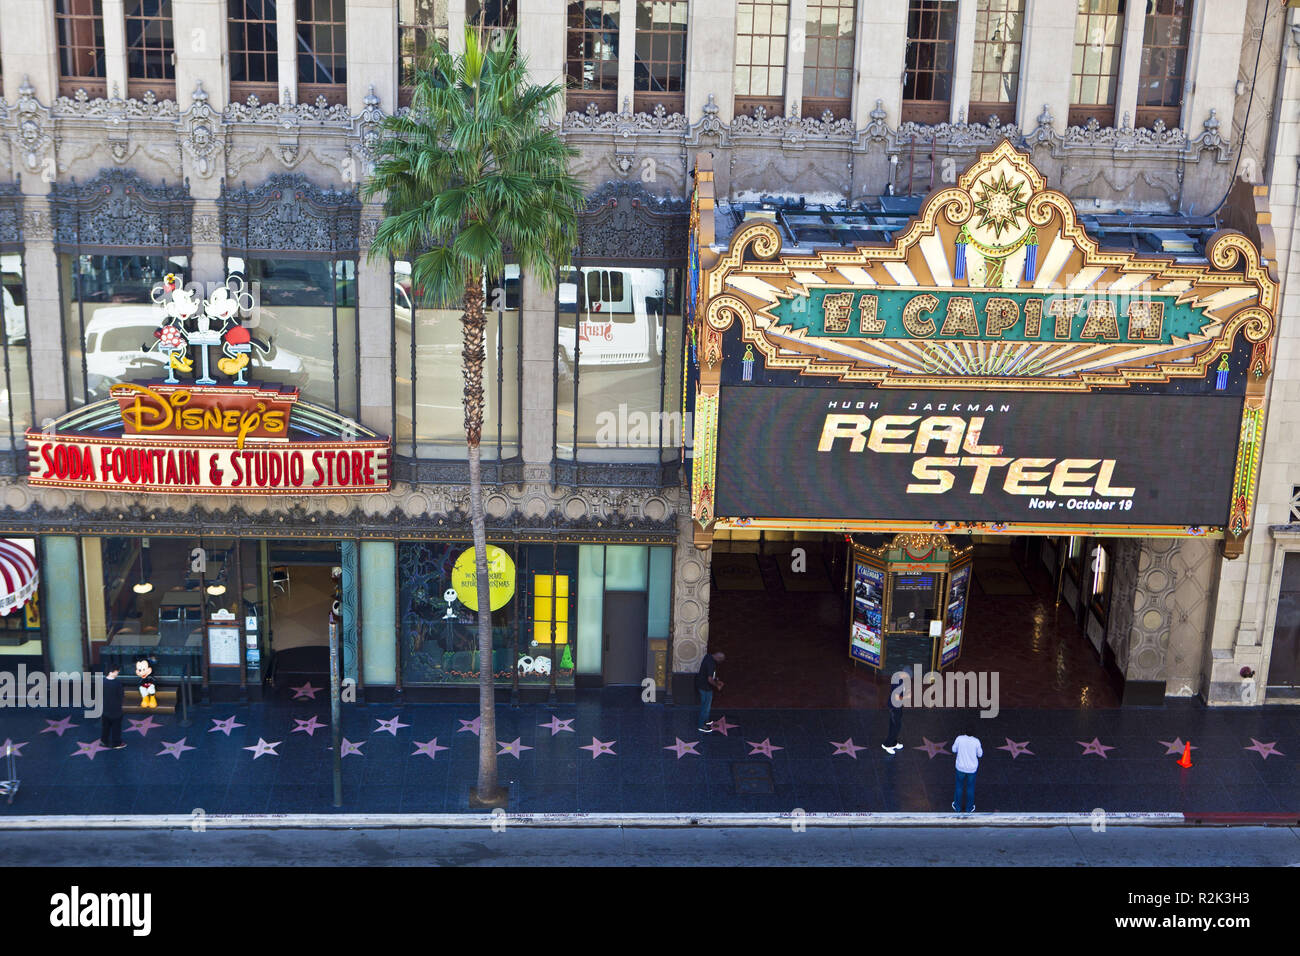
(847, 747)
(1265, 750)
(429, 748)
(1175, 746)
(142, 724)
(598, 747)
(392, 726)
(932, 748)
(765, 748)
(1016, 749)
(513, 748)
(308, 726)
(556, 725)
(347, 748)
(58, 726)
(306, 691)
(9, 747)
(470, 725)
(721, 726)
(1096, 747)
(225, 726)
(682, 748)
(175, 749)
(262, 748)
(89, 749)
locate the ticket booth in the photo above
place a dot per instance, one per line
(909, 602)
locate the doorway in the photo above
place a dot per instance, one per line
(625, 646)
(1284, 659)
(302, 588)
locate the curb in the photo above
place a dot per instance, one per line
(199, 820)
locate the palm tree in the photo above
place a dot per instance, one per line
(469, 173)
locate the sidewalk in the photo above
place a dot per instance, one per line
(609, 753)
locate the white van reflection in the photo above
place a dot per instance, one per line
(116, 339)
(12, 300)
(620, 317)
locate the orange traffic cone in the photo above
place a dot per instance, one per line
(1187, 756)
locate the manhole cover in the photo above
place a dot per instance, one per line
(752, 777)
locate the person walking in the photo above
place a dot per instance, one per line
(706, 682)
(899, 694)
(110, 717)
(968, 751)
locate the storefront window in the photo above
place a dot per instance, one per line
(619, 351)
(15, 385)
(304, 326)
(109, 319)
(430, 381)
(20, 629)
(550, 613)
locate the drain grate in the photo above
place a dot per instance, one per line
(751, 777)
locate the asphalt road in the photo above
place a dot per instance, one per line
(520, 845)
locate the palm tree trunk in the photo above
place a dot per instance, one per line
(473, 355)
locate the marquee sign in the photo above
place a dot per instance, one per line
(207, 438)
(996, 291)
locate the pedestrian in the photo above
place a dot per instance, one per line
(899, 697)
(968, 751)
(111, 713)
(706, 682)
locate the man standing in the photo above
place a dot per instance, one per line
(899, 696)
(110, 717)
(706, 683)
(968, 751)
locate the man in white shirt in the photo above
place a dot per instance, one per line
(968, 751)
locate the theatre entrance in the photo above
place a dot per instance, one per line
(303, 583)
(780, 607)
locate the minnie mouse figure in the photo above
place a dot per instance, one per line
(148, 690)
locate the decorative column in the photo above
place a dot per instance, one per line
(626, 54)
(963, 60)
(538, 396)
(1047, 50)
(796, 48)
(115, 47)
(286, 39)
(710, 58)
(880, 50)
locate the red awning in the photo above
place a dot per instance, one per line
(18, 576)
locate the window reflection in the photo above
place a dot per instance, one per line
(15, 381)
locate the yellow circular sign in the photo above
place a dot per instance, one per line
(501, 578)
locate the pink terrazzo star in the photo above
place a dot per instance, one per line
(392, 725)
(89, 749)
(1096, 747)
(765, 748)
(721, 726)
(1175, 746)
(58, 726)
(1016, 749)
(262, 748)
(308, 726)
(1265, 750)
(682, 748)
(470, 725)
(348, 749)
(225, 726)
(142, 725)
(429, 748)
(934, 749)
(9, 747)
(848, 748)
(306, 691)
(513, 748)
(175, 749)
(556, 725)
(598, 747)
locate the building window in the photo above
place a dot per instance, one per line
(927, 82)
(660, 56)
(15, 386)
(150, 54)
(995, 74)
(429, 384)
(81, 46)
(1098, 39)
(491, 13)
(550, 611)
(304, 327)
(592, 58)
(1099, 577)
(828, 58)
(1164, 62)
(619, 358)
(421, 24)
(253, 65)
(761, 29)
(322, 51)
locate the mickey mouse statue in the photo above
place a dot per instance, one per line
(148, 689)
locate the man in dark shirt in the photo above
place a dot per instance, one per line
(111, 715)
(899, 691)
(706, 683)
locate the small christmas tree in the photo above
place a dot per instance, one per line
(566, 659)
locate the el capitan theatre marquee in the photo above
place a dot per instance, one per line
(992, 370)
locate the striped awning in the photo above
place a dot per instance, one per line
(18, 576)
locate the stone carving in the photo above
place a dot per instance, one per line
(792, 129)
(623, 220)
(201, 140)
(115, 110)
(288, 212)
(207, 229)
(287, 114)
(625, 123)
(33, 141)
(37, 225)
(118, 208)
